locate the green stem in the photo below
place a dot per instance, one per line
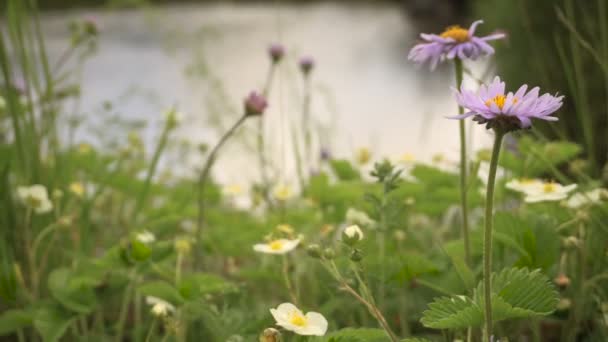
(463, 168)
(368, 303)
(487, 236)
(178, 268)
(152, 169)
(151, 331)
(126, 299)
(261, 145)
(202, 182)
(288, 284)
(47, 230)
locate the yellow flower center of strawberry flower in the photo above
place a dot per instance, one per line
(549, 188)
(457, 33)
(298, 320)
(276, 245)
(500, 100)
(33, 201)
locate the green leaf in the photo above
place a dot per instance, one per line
(344, 170)
(73, 291)
(464, 272)
(51, 322)
(357, 335)
(516, 293)
(415, 339)
(415, 265)
(520, 294)
(452, 313)
(13, 320)
(201, 284)
(163, 290)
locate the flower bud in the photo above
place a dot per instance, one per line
(314, 251)
(270, 335)
(307, 63)
(329, 253)
(255, 104)
(351, 235)
(356, 255)
(57, 194)
(172, 118)
(564, 304)
(400, 235)
(183, 245)
(562, 281)
(571, 242)
(276, 52)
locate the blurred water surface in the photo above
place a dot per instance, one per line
(365, 92)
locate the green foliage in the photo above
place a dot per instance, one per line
(161, 289)
(13, 320)
(198, 285)
(357, 335)
(75, 291)
(516, 293)
(52, 321)
(570, 37)
(536, 158)
(344, 170)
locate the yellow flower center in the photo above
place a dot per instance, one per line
(276, 245)
(549, 187)
(33, 201)
(298, 320)
(500, 101)
(457, 33)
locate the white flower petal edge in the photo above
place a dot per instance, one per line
(279, 246)
(549, 192)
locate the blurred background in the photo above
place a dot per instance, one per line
(203, 57)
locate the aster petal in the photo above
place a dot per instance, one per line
(494, 36)
(519, 94)
(435, 38)
(525, 121)
(497, 87)
(483, 46)
(473, 27)
(462, 116)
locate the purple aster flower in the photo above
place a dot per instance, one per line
(276, 52)
(255, 104)
(508, 111)
(306, 64)
(454, 42)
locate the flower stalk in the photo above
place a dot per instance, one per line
(463, 168)
(204, 177)
(287, 280)
(368, 303)
(487, 236)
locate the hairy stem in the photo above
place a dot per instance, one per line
(203, 180)
(463, 168)
(487, 237)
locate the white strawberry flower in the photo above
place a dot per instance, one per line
(291, 318)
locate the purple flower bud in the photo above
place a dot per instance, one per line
(255, 104)
(325, 154)
(276, 52)
(91, 25)
(306, 64)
